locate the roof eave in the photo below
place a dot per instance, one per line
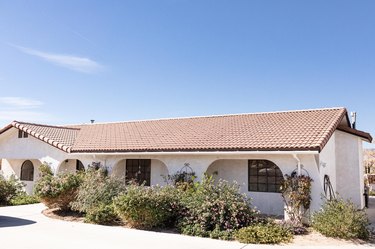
(203, 152)
(364, 135)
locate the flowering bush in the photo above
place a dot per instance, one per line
(59, 191)
(214, 209)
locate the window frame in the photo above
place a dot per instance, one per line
(27, 174)
(144, 166)
(266, 182)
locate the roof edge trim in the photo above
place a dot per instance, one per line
(41, 137)
(259, 152)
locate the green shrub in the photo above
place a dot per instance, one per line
(96, 194)
(214, 210)
(45, 170)
(101, 214)
(23, 199)
(147, 207)
(341, 219)
(264, 233)
(96, 188)
(9, 189)
(59, 191)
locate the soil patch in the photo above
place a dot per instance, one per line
(56, 213)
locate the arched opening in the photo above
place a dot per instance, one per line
(27, 171)
(148, 171)
(71, 165)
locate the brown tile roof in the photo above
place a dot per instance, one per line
(284, 131)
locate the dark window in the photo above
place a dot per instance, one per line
(264, 176)
(138, 170)
(27, 171)
(22, 134)
(79, 166)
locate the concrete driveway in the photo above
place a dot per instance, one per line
(25, 227)
(371, 211)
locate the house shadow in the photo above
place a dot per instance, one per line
(8, 221)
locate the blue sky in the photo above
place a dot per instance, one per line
(71, 61)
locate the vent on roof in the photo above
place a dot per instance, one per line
(354, 119)
(92, 121)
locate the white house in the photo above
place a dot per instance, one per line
(255, 150)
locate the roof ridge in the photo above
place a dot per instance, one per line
(45, 125)
(209, 116)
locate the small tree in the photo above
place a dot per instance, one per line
(296, 192)
(369, 161)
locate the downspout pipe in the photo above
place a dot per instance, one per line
(298, 164)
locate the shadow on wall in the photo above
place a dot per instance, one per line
(7, 221)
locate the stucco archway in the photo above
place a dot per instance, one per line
(70, 165)
(158, 170)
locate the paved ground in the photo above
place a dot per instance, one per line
(371, 211)
(25, 227)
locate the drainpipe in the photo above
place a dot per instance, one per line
(298, 164)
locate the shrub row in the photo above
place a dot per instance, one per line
(206, 208)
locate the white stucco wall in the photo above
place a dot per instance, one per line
(327, 162)
(349, 170)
